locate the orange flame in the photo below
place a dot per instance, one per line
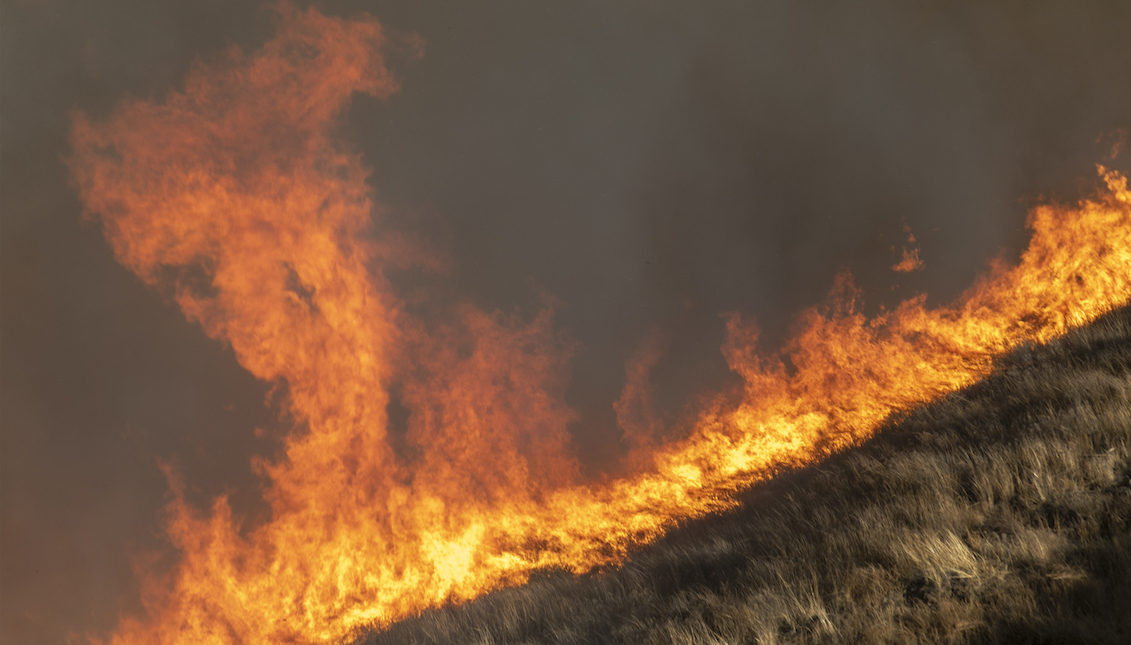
(635, 411)
(235, 195)
(910, 261)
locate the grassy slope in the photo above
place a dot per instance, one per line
(1000, 514)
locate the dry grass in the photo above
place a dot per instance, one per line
(1001, 514)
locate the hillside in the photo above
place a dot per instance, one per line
(1000, 514)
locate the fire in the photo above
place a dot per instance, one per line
(911, 261)
(235, 196)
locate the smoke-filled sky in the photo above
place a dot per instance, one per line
(648, 165)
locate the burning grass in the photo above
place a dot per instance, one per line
(237, 197)
(1001, 513)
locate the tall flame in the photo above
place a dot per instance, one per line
(235, 197)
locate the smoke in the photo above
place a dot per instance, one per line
(650, 165)
(656, 164)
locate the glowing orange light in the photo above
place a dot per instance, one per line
(239, 179)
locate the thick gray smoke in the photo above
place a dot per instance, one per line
(649, 164)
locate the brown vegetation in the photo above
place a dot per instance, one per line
(999, 514)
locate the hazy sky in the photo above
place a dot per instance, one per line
(650, 164)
